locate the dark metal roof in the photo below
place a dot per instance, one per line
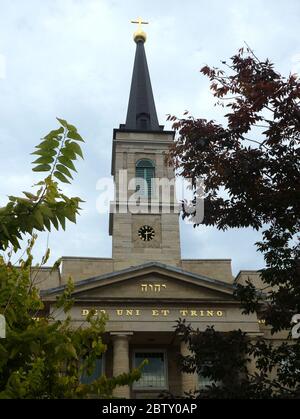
(141, 113)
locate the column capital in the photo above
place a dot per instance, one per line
(122, 335)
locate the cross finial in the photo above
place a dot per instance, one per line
(140, 22)
(140, 34)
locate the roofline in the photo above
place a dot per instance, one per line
(107, 258)
(206, 260)
(83, 257)
(248, 272)
(95, 279)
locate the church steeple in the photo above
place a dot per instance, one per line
(141, 113)
(142, 228)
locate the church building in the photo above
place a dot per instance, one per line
(145, 287)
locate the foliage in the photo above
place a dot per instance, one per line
(43, 357)
(227, 360)
(47, 206)
(250, 169)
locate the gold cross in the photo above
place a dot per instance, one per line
(140, 22)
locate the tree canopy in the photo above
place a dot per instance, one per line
(250, 170)
(42, 357)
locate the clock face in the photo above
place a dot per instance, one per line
(146, 233)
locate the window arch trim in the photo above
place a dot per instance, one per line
(144, 163)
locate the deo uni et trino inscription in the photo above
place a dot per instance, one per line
(132, 313)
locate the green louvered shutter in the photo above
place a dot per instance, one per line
(145, 170)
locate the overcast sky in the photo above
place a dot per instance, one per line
(74, 59)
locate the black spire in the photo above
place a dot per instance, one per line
(141, 113)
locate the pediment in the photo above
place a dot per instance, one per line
(148, 282)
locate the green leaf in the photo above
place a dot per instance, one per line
(64, 170)
(47, 223)
(61, 177)
(76, 148)
(45, 153)
(62, 221)
(3, 352)
(71, 128)
(71, 214)
(39, 217)
(48, 144)
(56, 265)
(42, 168)
(30, 195)
(78, 199)
(54, 133)
(44, 160)
(14, 351)
(67, 162)
(46, 210)
(68, 152)
(63, 122)
(75, 136)
(70, 350)
(4, 229)
(54, 222)
(24, 201)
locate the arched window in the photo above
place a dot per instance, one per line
(144, 172)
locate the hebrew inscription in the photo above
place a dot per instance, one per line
(155, 288)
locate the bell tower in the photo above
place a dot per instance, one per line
(144, 219)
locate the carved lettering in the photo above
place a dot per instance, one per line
(153, 287)
(157, 312)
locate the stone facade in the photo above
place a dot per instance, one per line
(127, 248)
(142, 304)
